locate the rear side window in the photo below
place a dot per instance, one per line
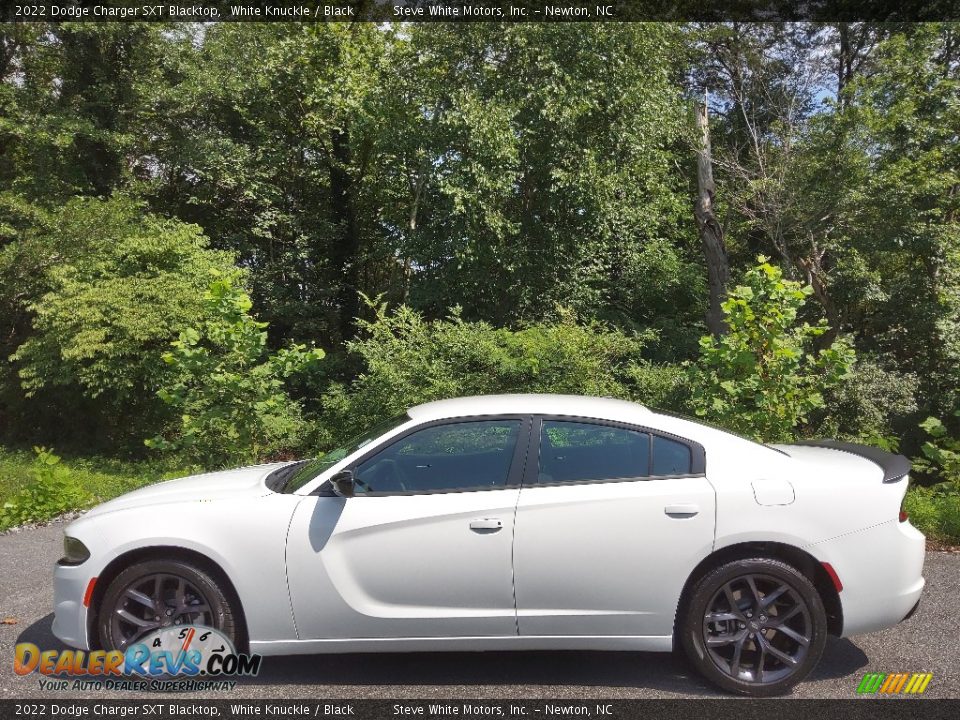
(574, 452)
(458, 456)
(670, 457)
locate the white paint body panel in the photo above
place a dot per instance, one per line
(402, 566)
(596, 565)
(585, 556)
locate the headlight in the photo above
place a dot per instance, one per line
(74, 551)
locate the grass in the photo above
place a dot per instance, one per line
(935, 514)
(100, 479)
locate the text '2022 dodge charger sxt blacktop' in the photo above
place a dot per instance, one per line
(515, 522)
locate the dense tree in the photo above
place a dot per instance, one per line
(105, 288)
(900, 164)
(519, 173)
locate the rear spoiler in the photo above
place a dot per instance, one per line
(895, 467)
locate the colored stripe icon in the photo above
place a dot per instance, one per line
(895, 683)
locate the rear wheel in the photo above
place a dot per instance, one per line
(755, 627)
(161, 593)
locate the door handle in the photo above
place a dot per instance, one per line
(486, 524)
(682, 510)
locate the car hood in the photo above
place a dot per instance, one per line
(195, 488)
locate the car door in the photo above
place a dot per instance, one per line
(424, 548)
(608, 529)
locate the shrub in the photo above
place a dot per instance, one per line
(228, 390)
(934, 513)
(762, 377)
(51, 492)
(869, 406)
(104, 286)
(407, 360)
(940, 458)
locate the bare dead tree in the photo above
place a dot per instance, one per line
(711, 232)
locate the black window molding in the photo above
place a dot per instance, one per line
(698, 456)
(514, 475)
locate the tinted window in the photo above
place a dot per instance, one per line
(670, 457)
(570, 452)
(458, 456)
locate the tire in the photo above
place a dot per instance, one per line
(755, 627)
(184, 592)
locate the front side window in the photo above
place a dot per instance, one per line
(575, 452)
(294, 477)
(458, 456)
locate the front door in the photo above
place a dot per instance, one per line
(424, 549)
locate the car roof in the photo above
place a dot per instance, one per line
(521, 404)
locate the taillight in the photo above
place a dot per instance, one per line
(904, 515)
(833, 576)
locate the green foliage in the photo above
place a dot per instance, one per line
(51, 492)
(869, 405)
(891, 159)
(935, 514)
(763, 377)
(408, 360)
(228, 390)
(940, 457)
(507, 170)
(99, 479)
(104, 287)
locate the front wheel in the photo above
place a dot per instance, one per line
(755, 627)
(156, 594)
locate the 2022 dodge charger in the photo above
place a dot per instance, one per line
(515, 522)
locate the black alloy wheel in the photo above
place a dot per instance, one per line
(755, 627)
(158, 594)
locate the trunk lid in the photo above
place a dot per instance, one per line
(853, 458)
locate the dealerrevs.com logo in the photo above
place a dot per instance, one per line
(894, 683)
(184, 658)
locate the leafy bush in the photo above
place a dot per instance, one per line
(408, 360)
(107, 286)
(867, 406)
(940, 457)
(228, 390)
(934, 513)
(762, 377)
(51, 492)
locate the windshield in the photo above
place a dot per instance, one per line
(310, 469)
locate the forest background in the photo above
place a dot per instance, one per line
(230, 243)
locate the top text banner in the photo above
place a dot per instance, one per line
(479, 10)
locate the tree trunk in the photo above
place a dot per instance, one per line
(346, 246)
(816, 276)
(711, 234)
(844, 62)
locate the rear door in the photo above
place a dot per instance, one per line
(608, 528)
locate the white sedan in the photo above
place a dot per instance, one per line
(515, 522)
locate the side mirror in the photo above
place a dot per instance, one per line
(343, 484)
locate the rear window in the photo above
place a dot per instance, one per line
(670, 457)
(574, 452)
(582, 451)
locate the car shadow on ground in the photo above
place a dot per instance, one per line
(657, 671)
(41, 634)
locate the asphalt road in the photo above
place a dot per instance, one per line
(928, 642)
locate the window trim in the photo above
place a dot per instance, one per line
(515, 474)
(698, 456)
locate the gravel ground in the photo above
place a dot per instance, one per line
(928, 642)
